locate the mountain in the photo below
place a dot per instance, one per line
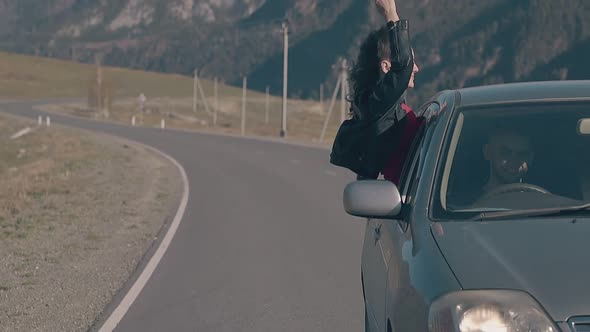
(457, 42)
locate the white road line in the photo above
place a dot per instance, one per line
(118, 314)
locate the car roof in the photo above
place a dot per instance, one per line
(525, 91)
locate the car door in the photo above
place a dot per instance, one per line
(380, 241)
(396, 241)
(373, 274)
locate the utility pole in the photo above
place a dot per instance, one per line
(216, 101)
(332, 102)
(195, 81)
(99, 84)
(344, 90)
(285, 73)
(203, 97)
(322, 98)
(266, 119)
(244, 86)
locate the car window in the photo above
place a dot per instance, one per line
(514, 157)
(412, 164)
(412, 174)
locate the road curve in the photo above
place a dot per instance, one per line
(263, 245)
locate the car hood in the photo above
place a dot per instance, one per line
(546, 257)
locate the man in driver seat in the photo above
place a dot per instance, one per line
(510, 155)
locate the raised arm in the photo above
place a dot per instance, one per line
(392, 85)
(388, 9)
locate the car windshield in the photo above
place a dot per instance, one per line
(514, 157)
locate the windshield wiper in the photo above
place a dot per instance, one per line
(555, 211)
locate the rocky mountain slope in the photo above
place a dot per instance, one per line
(457, 42)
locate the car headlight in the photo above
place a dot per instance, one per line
(488, 311)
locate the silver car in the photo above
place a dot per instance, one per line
(489, 229)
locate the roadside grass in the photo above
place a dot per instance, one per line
(31, 77)
(169, 97)
(305, 120)
(73, 203)
(34, 169)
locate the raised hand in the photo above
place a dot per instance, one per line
(388, 9)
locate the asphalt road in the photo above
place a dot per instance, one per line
(264, 244)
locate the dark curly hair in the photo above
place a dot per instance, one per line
(364, 74)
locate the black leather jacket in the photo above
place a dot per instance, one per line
(382, 103)
(364, 142)
(379, 100)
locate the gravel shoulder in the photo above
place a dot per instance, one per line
(77, 213)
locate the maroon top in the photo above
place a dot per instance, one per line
(393, 168)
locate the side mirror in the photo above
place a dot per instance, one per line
(372, 199)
